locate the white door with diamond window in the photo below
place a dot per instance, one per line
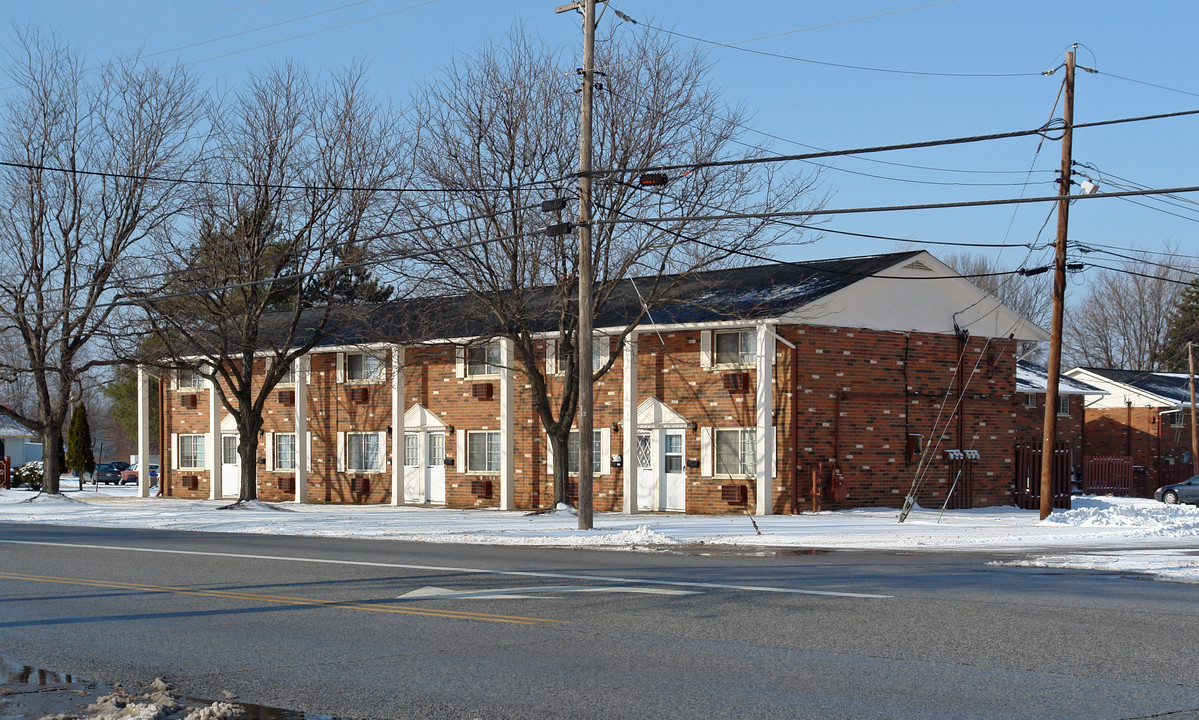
(647, 480)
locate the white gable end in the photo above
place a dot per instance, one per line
(652, 413)
(420, 417)
(921, 294)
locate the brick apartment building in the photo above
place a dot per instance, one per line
(1072, 397)
(747, 383)
(1143, 415)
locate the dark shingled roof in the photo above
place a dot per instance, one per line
(1175, 387)
(1034, 378)
(742, 293)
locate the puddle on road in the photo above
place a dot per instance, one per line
(36, 692)
(711, 551)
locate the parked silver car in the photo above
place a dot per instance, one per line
(1186, 491)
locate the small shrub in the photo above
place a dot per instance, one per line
(29, 474)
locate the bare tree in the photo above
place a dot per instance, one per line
(95, 168)
(1029, 295)
(1122, 318)
(498, 135)
(296, 170)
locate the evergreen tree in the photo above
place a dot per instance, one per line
(122, 390)
(79, 443)
(1183, 329)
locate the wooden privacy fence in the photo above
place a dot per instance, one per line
(1170, 474)
(1027, 490)
(1107, 475)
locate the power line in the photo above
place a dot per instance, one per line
(737, 46)
(887, 148)
(1143, 82)
(893, 208)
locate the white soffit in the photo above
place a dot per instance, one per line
(899, 301)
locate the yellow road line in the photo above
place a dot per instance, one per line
(283, 599)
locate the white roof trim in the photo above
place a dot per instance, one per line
(652, 413)
(420, 418)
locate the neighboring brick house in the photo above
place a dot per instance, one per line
(895, 357)
(1072, 396)
(1145, 416)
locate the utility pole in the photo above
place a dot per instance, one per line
(1194, 428)
(583, 344)
(1059, 294)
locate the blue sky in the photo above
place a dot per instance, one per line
(803, 103)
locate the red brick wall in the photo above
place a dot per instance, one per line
(1141, 433)
(1031, 421)
(861, 392)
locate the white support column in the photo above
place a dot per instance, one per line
(507, 427)
(143, 435)
(302, 366)
(397, 425)
(765, 425)
(628, 468)
(213, 459)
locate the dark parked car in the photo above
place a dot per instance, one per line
(1186, 491)
(109, 473)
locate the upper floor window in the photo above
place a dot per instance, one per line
(1063, 404)
(483, 360)
(363, 367)
(1178, 419)
(289, 374)
(1030, 400)
(735, 347)
(188, 379)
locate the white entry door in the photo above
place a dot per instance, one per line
(412, 467)
(230, 467)
(435, 467)
(424, 467)
(647, 478)
(661, 476)
(674, 476)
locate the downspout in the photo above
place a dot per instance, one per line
(794, 430)
(162, 428)
(907, 430)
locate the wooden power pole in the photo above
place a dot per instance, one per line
(1059, 295)
(585, 370)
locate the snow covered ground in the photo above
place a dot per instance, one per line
(1100, 533)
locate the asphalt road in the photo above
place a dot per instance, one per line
(380, 629)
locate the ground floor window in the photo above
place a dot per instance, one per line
(191, 451)
(285, 451)
(735, 451)
(363, 452)
(483, 452)
(572, 453)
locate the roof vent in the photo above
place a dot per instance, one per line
(917, 265)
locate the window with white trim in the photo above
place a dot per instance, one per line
(289, 375)
(188, 379)
(1030, 400)
(1178, 419)
(363, 453)
(736, 449)
(1063, 405)
(483, 452)
(191, 451)
(572, 453)
(285, 451)
(483, 360)
(735, 347)
(363, 367)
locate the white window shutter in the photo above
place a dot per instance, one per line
(551, 357)
(341, 367)
(705, 349)
(308, 455)
(145, 462)
(549, 456)
(605, 350)
(460, 362)
(605, 451)
(774, 456)
(461, 461)
(381, 464)
(706, 459)
(270, 451)
(266, 364)
(341, 452)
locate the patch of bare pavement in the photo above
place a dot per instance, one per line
(29, 693)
